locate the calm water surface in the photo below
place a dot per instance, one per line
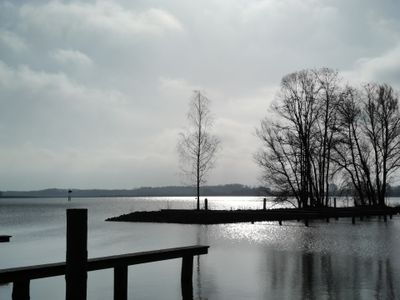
(245, 261)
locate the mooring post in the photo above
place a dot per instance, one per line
(206, 204)
(353, 220)
(76, 261)
(20, 290)
(280, 222)
(121, 283)
(265, 204)
(334, 202)
(306, 222)
(186, 277)
(327, 220)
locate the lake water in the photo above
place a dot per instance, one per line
(245, 261)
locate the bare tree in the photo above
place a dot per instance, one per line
(197, 147)
(369, 148)
(381, 126)
(297, 146)
(352, 153)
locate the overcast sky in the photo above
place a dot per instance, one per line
(93, 94)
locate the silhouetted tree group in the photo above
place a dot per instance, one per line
(322, 131)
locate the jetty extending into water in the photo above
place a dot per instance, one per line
(5, 238)
(77, 265)
(186, 216)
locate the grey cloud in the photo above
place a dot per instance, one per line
(13, 41)
(94, 93)
(101, 16)
(68, 56)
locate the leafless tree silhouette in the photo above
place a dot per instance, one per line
(369, 148)
(197, 147)
(296, 152)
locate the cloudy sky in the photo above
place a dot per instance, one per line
(93, 94)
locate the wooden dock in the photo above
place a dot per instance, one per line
(5, 238)
(77, 265)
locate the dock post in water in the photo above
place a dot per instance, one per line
(334, 202)
(265, 204)
(121, 283)
(353, 220)
(76, 260)
(186, 277)
(206, 204)
(21, 290)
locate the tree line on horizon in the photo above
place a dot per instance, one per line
(209, 190)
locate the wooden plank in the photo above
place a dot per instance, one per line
(5, 238)
(144, 257)
(58, 269)
(32, 272)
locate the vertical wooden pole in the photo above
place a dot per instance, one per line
(76, 269)
(20, 290)
(265, 204)
(206, 204)
(353, 220)
(334, 202)
(121, 283)
(306, 222)
(186, 277)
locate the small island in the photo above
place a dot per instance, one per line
(186, 216)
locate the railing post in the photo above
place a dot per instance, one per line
(76, 268)
(20, 290)
(186, 277)
(121, 283)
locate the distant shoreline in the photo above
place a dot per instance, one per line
(167, 191)
(228, 190)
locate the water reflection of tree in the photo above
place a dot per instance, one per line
(202, 290)
(308, 275)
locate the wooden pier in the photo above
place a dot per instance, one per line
(77, 265)
(5, 238)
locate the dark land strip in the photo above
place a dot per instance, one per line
(186, 216)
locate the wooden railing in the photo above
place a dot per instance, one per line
(76, 282)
